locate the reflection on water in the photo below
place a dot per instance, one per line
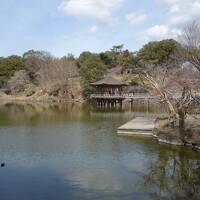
(37, 113)
(73, 152)
(175, 175)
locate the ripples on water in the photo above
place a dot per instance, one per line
(69, 152)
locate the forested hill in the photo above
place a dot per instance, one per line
(38, 73)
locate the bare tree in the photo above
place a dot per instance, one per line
(34, 60)
(57, 71)
(190, 40)
(174, 87)
(18, 82)
(54, 75)
(174, 81)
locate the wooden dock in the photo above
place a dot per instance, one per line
(137, 126)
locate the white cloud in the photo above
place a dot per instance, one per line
(135, 18)
(93, 9)
(179, 13)
(93, 29)
(182, 11)
(160, 32)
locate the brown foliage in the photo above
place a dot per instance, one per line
(18, 82)
(56, 71)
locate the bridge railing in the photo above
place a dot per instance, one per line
(126, 95)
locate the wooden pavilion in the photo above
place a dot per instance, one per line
(109, 92)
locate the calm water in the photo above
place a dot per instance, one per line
(73, 153)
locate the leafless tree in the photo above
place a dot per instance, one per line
(174, 87)
(190, 40)
(57, 71)
(34, 61)
(18, 82)
(54, 75)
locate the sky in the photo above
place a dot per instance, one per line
(74, 26)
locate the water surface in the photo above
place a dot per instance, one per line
(69, 152)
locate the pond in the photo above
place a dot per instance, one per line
(70, 152)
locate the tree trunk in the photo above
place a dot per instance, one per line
(182, 125)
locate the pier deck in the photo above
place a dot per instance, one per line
(137, 126)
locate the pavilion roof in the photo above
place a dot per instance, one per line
(109, 81)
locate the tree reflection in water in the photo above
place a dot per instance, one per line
(175, 175)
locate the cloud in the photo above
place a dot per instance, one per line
(159, 32)
(93, 29)
(181, 12)
(184, 12)
(92, 9)
(136, 18)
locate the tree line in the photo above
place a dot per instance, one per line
(42, 69)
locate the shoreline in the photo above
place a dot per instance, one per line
(176, 143)
(52, 101)
(162, 130)
(39, 99)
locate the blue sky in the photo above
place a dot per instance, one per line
(73, 26)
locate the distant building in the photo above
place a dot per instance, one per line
(119, 70)
(109, 92)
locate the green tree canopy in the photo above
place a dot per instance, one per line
(117, 49)
(117, 56)
(92, 69)
(8, 66)
(84, 56)
(159, 52)
(126, 59)
(109, 59)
